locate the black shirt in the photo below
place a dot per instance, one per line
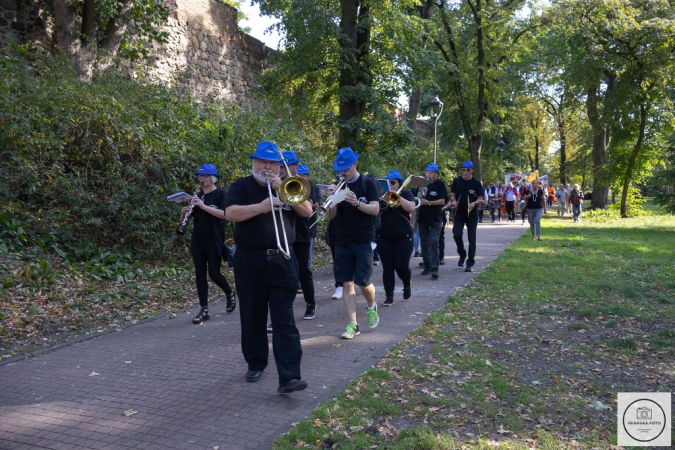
(534, 202)
(466, 191)
(208, 233)
(303, 233)
(430, 214)
(354, 226)
(396, 221)
(257, 233)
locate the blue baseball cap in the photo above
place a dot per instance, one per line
(207, 169)
(290, 158)
(303, 169)
(467, 164)
(267, 151)
(345, 158)
(395, 175)
(433, 167)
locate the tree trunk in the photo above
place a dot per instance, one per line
(89, 25)
(66, 32)
(115, 29)
(475, 146)
(600, 139)
(563, 152)
(536, 153)
(355, 77)
(416, 96)
(633, 158)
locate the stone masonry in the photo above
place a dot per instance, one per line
(206, 53)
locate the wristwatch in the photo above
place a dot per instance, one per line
(358, 203)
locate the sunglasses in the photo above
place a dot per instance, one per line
(393, 181)
(466, 170)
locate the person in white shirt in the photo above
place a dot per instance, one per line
(562, 195)
(510, 198)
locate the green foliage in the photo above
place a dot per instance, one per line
(93, 162)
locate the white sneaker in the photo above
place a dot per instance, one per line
(338, 293)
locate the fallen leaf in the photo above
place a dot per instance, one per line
(130, 412)
(93, 374)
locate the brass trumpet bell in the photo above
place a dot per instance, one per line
(392, 199)
(294, 190)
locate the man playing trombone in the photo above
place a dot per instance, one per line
(466, 192)
(355, 231)
(265, 272)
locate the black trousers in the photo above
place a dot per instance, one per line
(395, 256)
(331, 245)
(208, 263)
(458, 231)
(441, 240)
(268, 283)
(302, 254)
(511, 209)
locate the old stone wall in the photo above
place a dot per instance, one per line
(206, 53)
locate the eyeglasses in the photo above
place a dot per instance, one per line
(393, 181)
(466, 170)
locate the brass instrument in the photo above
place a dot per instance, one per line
(393, 199)
(181, 229)
(323, 209)
(293, 191)
(421, 193)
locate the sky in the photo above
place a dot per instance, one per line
(259, 24)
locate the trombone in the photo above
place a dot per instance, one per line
(293, 191)
(393, 199)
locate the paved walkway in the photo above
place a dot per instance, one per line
(185, 384)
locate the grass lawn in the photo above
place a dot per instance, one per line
(531, 354)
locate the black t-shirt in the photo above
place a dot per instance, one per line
(466, 191)
(534, 202)
(257, 233)
(430, 214)
(354, 226)
(303, 233)
(208, 233)
(396, 222)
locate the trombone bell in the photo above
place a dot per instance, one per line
(294, 190)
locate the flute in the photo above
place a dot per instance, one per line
(181, 229)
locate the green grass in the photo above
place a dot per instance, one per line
(563, 323)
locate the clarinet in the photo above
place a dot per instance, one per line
(181, 229)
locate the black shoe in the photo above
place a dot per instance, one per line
(389, 300)
(296, 384)
(421, 264)
(460, 263)
(253, 375)
(418, 255)
(269, 328)
(426, 272)
(442, 262)
(434, 274)
(406, 292)
(202, 316)
(231, 302)
(469, 268)
(310, 312)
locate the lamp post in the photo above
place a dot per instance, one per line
(436, 110)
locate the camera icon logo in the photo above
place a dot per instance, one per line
(644, 413)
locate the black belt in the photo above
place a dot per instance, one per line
(265, 251)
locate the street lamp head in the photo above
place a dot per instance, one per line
(435, 102)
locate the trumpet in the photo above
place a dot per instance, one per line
(292, 191)
(393, 199)
(181, 229)
(322, 210)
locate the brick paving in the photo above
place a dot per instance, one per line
(186, 382)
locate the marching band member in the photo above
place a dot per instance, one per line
(430, 220)
(355, 231)
(265, 279)
(466, 192)
(495, 199)
(208, 240)
(395, 240)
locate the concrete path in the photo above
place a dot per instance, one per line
(183, 385)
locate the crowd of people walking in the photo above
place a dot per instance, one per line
(275, 209)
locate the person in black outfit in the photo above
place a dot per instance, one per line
(355, 231)
(303, 240)
(430, 220)
(395, 240)
(208, 237)
(265, 279)
(465, 194)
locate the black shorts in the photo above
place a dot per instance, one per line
(354, 263)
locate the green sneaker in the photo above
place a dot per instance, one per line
(351, 331)
(373, 318)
